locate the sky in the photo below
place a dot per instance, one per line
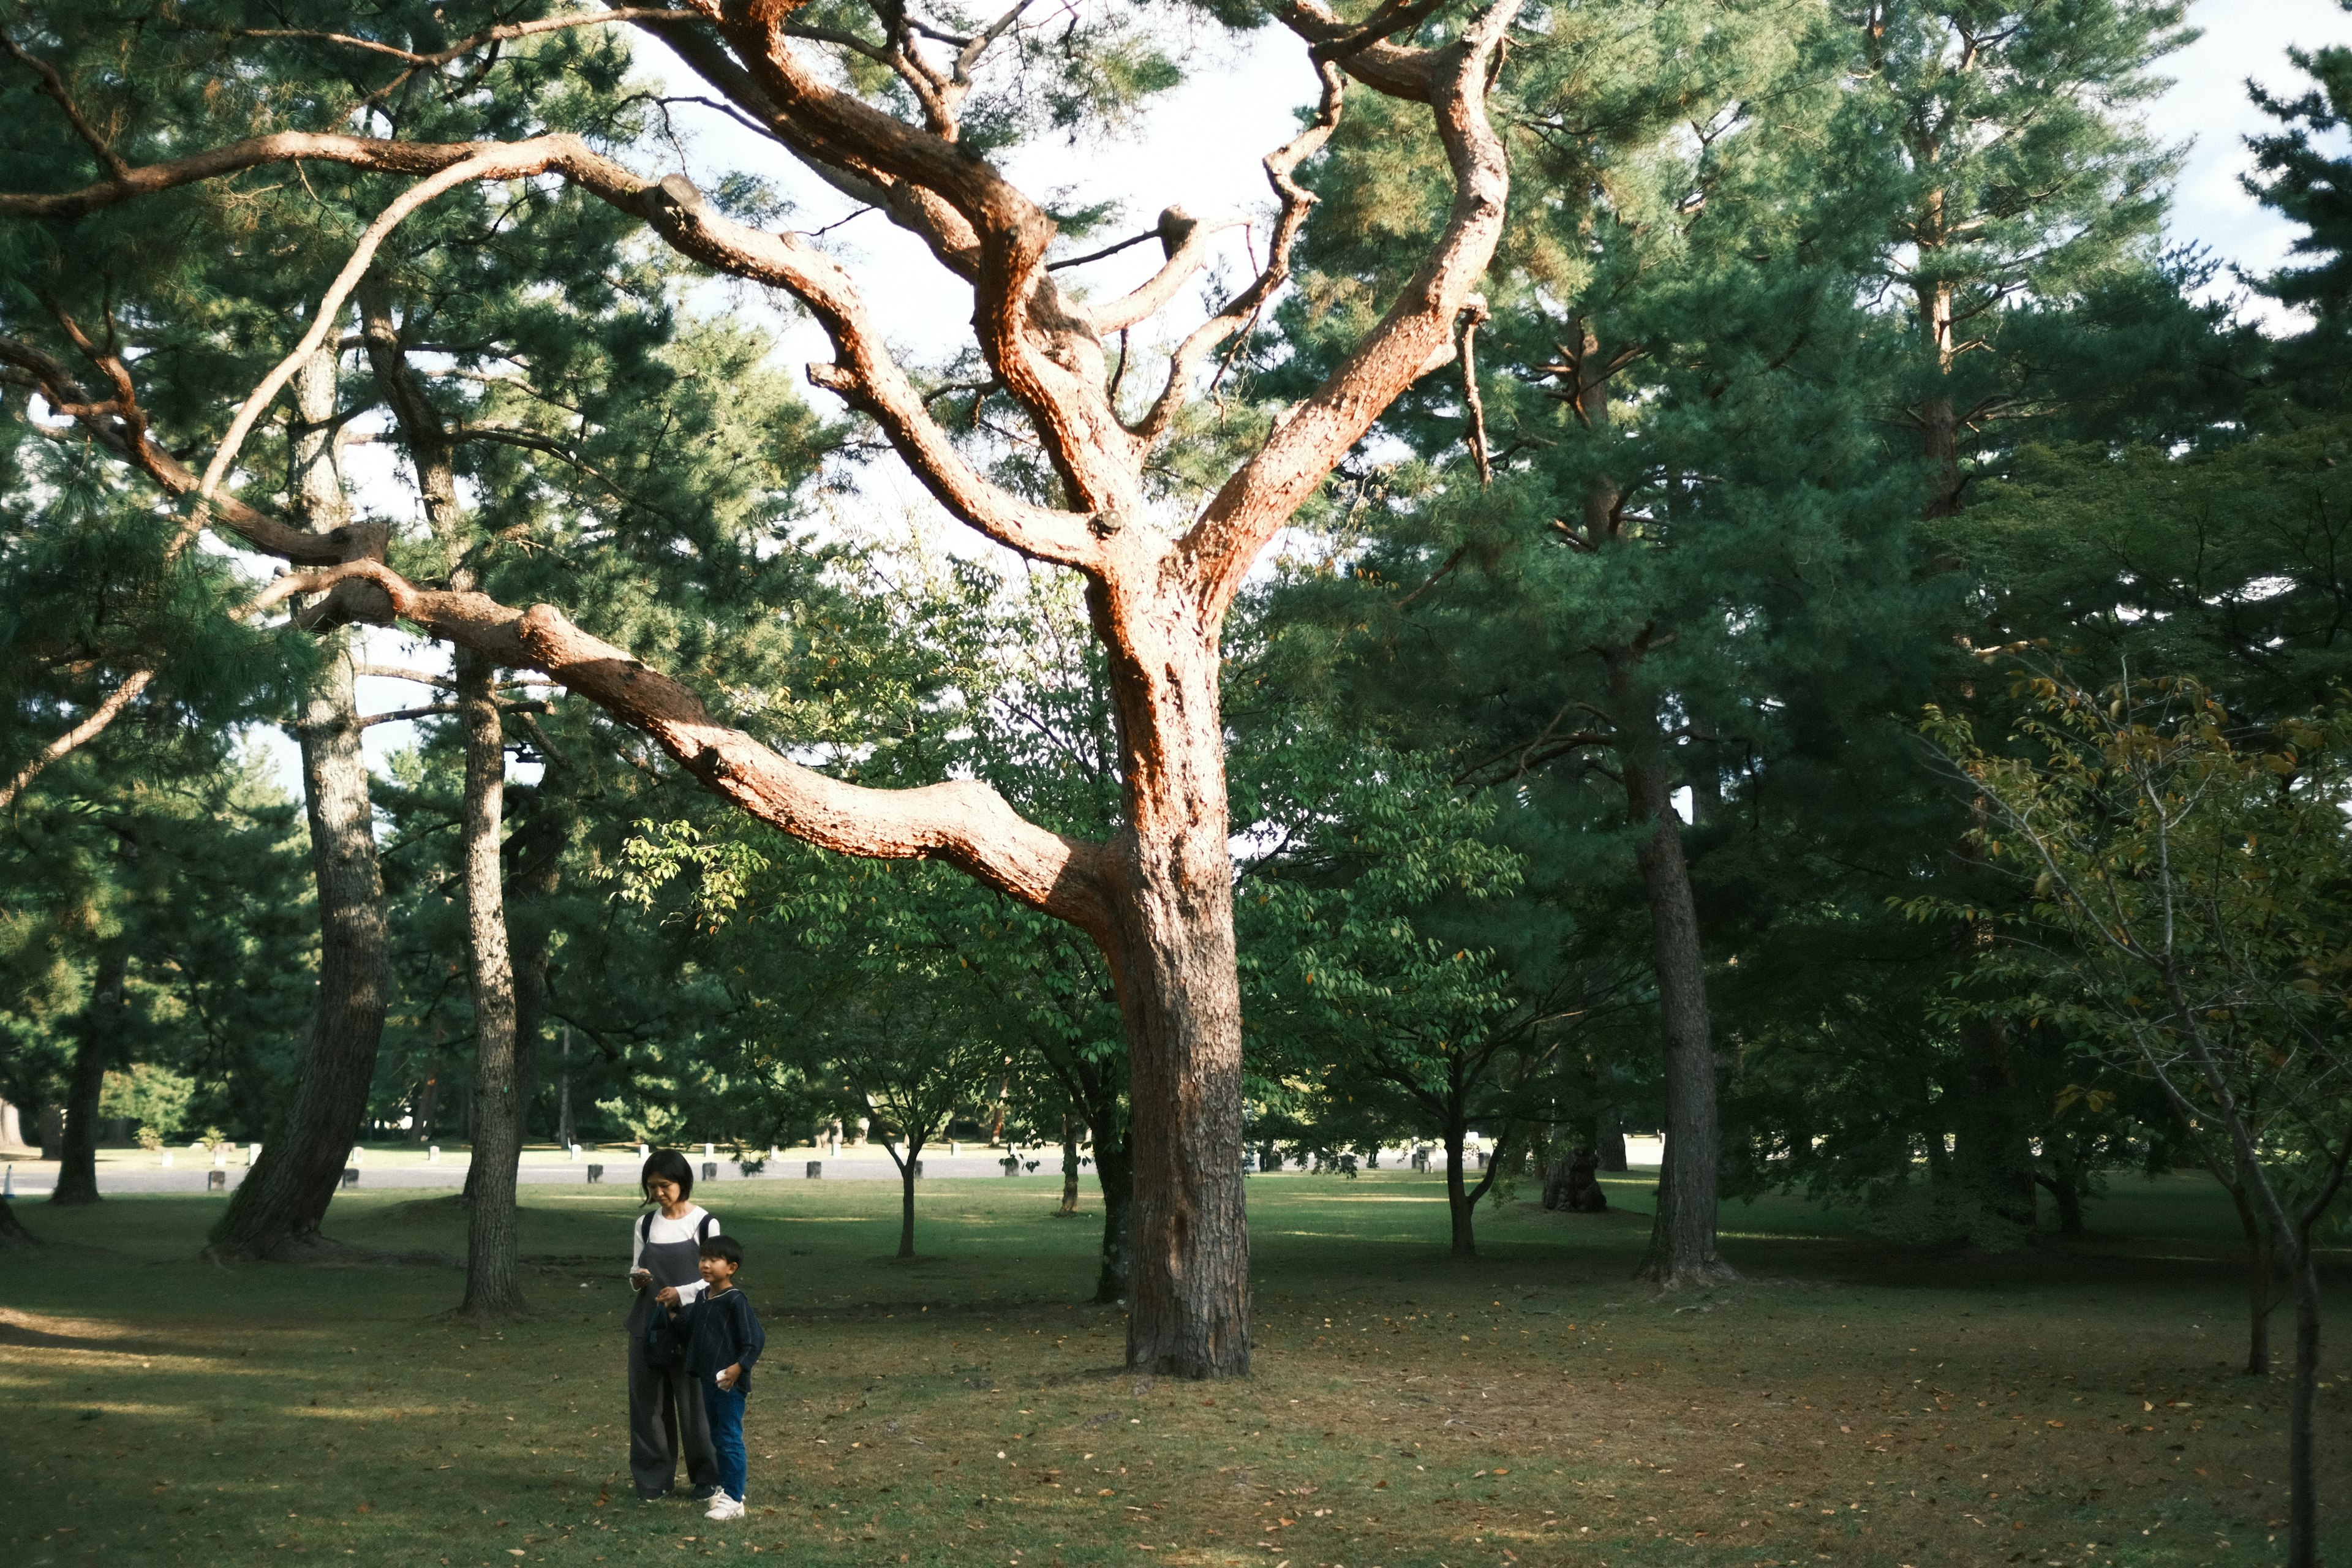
(1201, 149)
(2208, 107)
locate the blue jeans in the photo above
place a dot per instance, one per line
(725, 1408)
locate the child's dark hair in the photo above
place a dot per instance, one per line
(666, 1165)
(726, 1249)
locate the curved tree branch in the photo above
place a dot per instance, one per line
(868, 375)
(1281, 168)
(1262, 493)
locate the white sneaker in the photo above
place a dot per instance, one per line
(724, 1507)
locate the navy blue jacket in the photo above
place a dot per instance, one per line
(723, 1331)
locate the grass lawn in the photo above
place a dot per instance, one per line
(1845, 1402)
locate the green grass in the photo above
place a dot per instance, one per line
(1845, 1402)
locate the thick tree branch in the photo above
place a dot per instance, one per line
(1261, 496)
(1362, 51)
(1048, 360)
(121, 427)
(963, 823)
(867, 376)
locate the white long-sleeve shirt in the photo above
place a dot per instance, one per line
(684, 1228)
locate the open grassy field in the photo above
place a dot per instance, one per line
(2076, 1404)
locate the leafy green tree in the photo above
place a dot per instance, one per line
(956, 668)
(153, 920)
(2188, 911)
(1363, 989)
(901, 1036)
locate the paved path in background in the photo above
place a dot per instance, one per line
(39, 1178)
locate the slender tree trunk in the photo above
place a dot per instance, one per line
(1457, 1196)
(1683, 1237)
(1069, 1165)
(2259, 1270)
(907, 1196)
(537, 855)
(1610, 1142)
(566, 1132)
(2067, 1193)
(1115, 1174)
(278, 1208)
(78, 1158)
(2301, 1466)
(1095, 1087)
(1992, 1152)
(1939, 424)
(493, 1285)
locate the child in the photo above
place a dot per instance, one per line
(723, 1340)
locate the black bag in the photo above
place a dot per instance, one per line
(664, 1338)
(665, 1335)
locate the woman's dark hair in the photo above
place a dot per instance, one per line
(666, 1165)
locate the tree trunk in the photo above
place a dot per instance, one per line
(1094, 1086)
(1682, 1238)
(78, 1158)
(1115, 1174)
(1992, 1154)
(566, 1133)
(2260, 1268)
(1939, 426)
(538, 849)
(277, 1209)
(1180, 995)
(2068, 1192)
(1070, 1166)
(493, 1286)
(906, 1196)
(1941, 438)
(1609, 1142)
(1170, 949)
(1457, 1196)
(280, 1205)
(2303, 1498)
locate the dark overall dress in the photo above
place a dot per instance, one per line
(666, 1412)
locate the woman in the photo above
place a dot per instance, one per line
(666, 1410)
